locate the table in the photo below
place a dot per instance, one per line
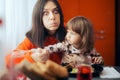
(98, 78)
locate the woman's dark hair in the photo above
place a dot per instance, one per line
(38, 33)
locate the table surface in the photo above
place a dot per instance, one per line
(98, 78)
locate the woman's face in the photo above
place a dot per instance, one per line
(51, 17)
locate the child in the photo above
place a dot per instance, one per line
(78, 45)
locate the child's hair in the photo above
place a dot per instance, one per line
(84, 28)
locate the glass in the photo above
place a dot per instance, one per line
(84, 73)
(16, 57)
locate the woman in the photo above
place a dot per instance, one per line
(47, 28)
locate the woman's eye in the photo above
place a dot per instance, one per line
(45, 13)
(56, 12)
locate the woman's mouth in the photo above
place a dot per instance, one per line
(53, 24)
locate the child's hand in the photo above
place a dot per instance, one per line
(40, 55)
(97, 60)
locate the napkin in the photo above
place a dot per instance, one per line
(109, 72)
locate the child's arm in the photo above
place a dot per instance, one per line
(59, 47)
(41, 55)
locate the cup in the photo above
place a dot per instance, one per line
(16, 57)
(84, 73)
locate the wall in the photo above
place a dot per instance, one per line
(16, 16)
(102, 15)
(2, 32)
(117, 32)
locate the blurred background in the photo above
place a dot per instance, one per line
(15, 21)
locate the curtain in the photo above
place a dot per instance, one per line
(16, 16)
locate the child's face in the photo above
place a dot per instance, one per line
(73, 38)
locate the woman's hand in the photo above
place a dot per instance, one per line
(36, 71)
(40, 55)
(39, 71)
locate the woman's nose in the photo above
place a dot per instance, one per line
(52, 16)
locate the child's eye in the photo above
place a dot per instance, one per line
(68, 31)
(71, 33)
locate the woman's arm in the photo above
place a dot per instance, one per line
(26, 44)
(20, 53)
